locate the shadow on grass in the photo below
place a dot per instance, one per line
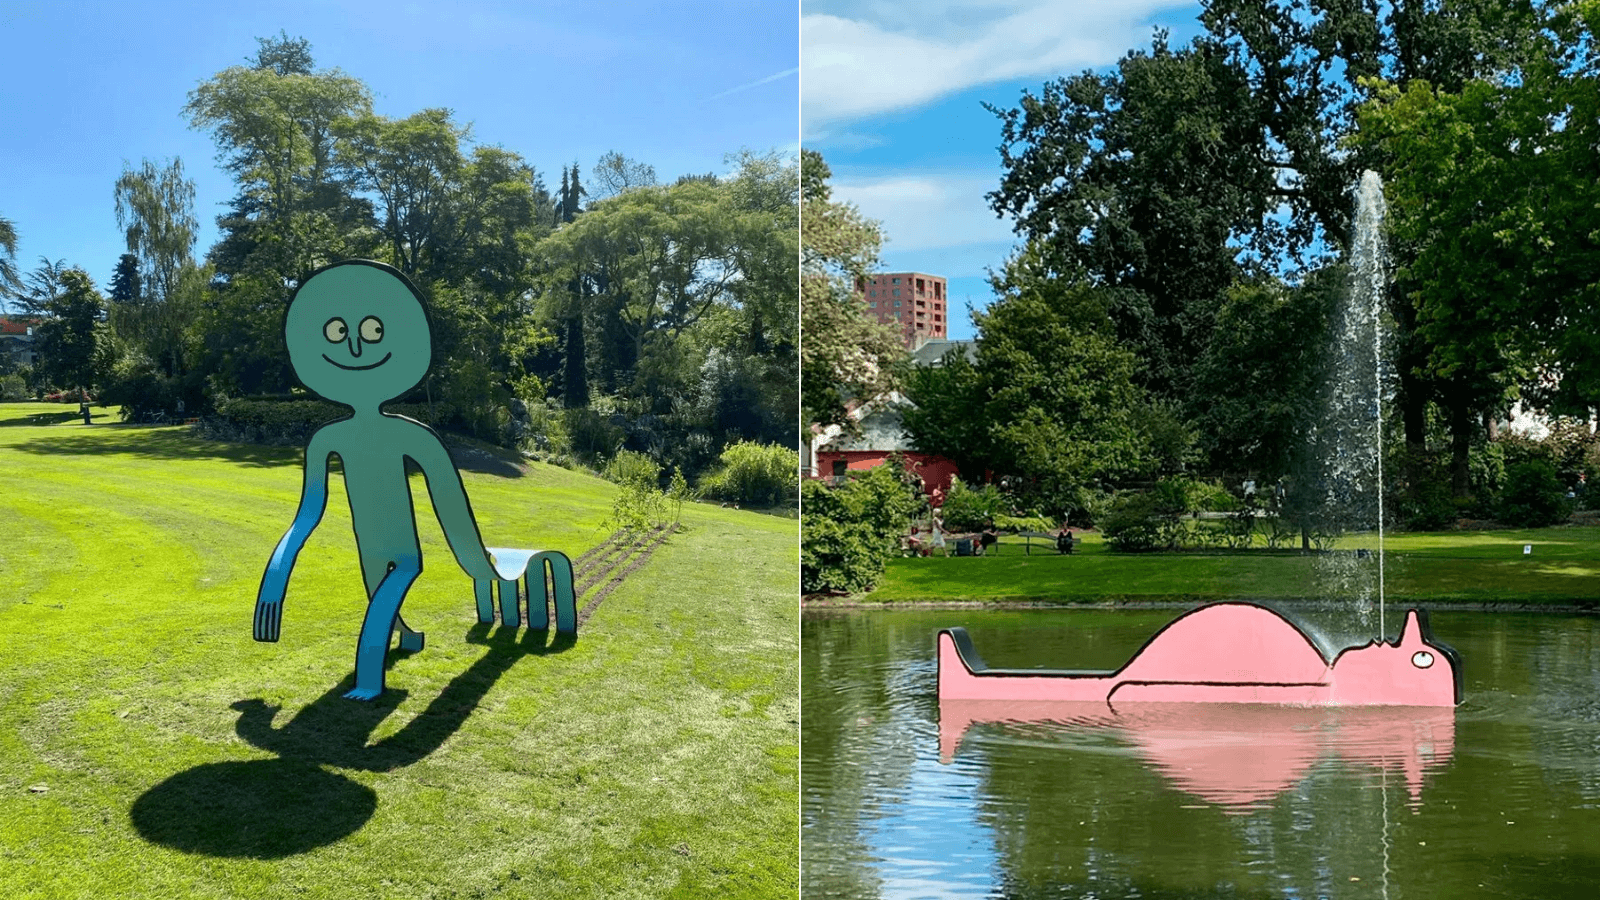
(156, 443)
(48, 418)
(144, 442)
(273, 808)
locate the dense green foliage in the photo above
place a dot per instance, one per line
(846, 354)
(972, 507)
(851, 530)
(662, 316)
(1534, 495)
(754, 474)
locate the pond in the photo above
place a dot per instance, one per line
(1499, 797)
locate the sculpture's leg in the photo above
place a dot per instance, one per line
(484, 591)
(373, 644)
(538, 595)
(409, 640)
(510, 612)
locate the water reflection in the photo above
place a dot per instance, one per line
(903, 798)
(1234, 755)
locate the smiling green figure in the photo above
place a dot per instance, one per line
(358, 335)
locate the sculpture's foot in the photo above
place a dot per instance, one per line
(361, 693)
(409, 640)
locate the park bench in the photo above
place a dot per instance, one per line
(1050, 539)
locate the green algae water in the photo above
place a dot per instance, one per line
(1499, 797)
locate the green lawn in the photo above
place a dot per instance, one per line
(150, 748)
(1468, 567)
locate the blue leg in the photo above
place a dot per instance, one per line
(382, 610)
(510, 616)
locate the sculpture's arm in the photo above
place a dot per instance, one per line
(451, 506)
(313, 501)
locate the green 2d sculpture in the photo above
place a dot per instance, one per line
(358, 335)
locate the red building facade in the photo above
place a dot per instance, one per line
(914, 301)
(935, 471)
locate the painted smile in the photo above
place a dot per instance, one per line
(373, 366)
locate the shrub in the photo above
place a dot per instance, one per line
(593, 434)
(638, 507)
(1428, 507)
(1138, 523)
(847, 532)
(1534, 495)
(629, 467)
(841, 548)
(13, 387)
(270, 421)
(971, 508)
(754, 474)
(1023, 523)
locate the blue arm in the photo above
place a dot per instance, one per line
(450, 504)
(275, 581)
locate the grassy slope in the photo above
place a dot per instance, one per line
(655, 757)
(1476, 567)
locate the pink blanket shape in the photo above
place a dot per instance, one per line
(1227, 653)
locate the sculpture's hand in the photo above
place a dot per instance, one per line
(483, 595)
(269, 614)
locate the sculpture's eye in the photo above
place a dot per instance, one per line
(335, 331)
(371, 329)
(1422, 659)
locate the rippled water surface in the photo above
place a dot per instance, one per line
(1499, 797)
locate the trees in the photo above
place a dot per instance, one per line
(155, 207)
(414, 166)
(663, 277)
(843, 353)
(615, 174)
(275, 125)
(1051, 397)
(1260, 373)
(66, 341)
(42, 286)
(10, 281)
(1140, 180)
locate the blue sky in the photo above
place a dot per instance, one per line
(90, 85)
(892, 94)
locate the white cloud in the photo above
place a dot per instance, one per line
(927, 211)
(891, 56)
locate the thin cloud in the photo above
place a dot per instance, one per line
(854, 68)
(930, 210)
(757, 83)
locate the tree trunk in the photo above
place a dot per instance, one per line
(575, 377)
(1461, 424)
(1413, 401)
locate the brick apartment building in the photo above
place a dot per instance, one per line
(914, 301)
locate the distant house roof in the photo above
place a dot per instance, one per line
(932, 352)
(9, 325)
(880, 425)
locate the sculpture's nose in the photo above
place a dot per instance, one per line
(355, 345)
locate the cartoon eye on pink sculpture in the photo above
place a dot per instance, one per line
(1230, 652)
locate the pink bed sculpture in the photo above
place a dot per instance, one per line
(1227, 653)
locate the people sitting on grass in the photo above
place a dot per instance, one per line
(1064, 540)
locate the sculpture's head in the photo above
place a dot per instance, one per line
(1414, 670)
(358, 334)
